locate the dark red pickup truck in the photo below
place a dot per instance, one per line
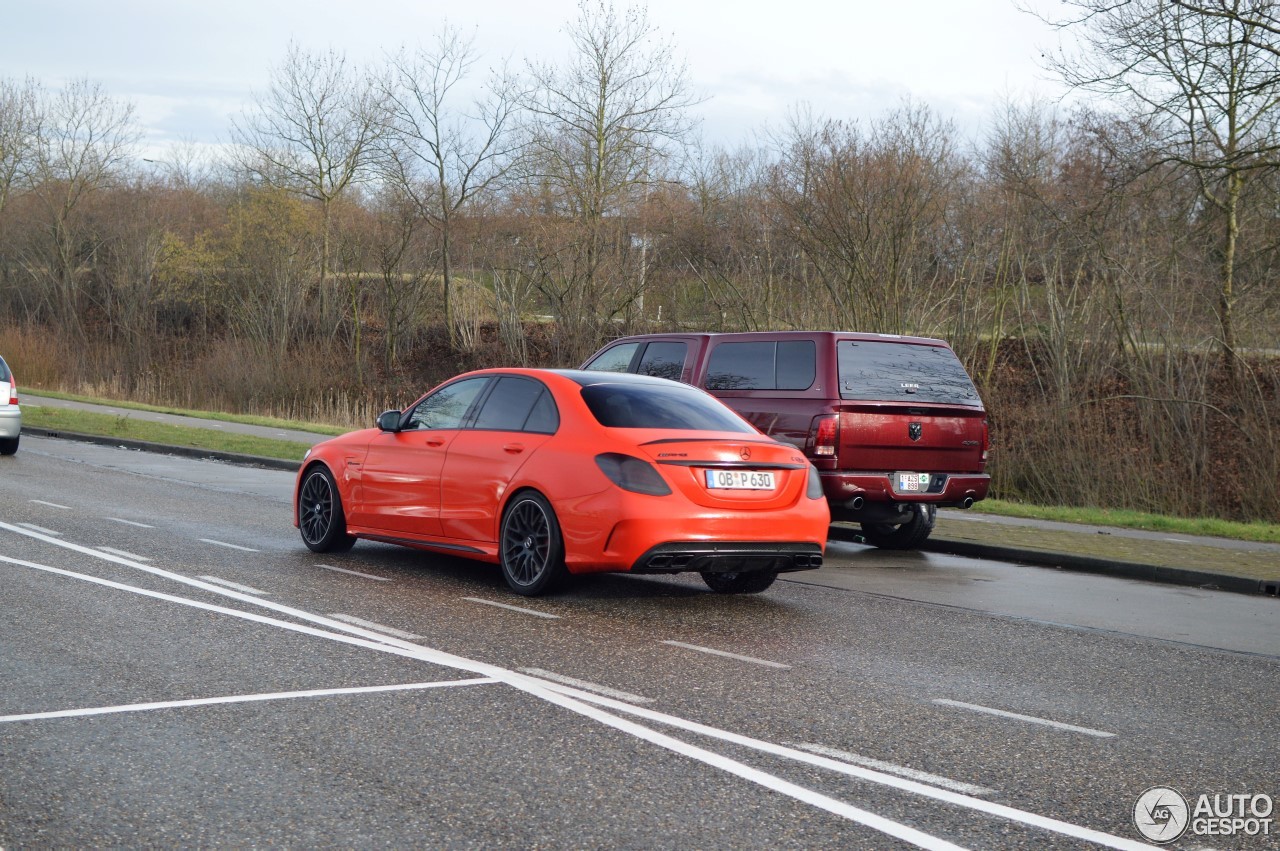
(893, 424)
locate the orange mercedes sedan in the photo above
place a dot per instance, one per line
(556, 472)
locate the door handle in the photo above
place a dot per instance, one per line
(435, 441)
(513, 448)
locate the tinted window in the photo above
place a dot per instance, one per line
(664, 359)
(544, 418)
(797, 364)
(509, 405)
(616, 359)
(903, 372)
(4, 370)
(671, 407)
(446, 407)
(786, 365)
(741, 366)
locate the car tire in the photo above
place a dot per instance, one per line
(739, 583)
(8, 446)
(907, 536)
(321, 520)
(530, 546)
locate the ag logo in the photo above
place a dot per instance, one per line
(1161, 814)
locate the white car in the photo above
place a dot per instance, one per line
(10, 413)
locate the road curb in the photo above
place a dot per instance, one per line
(167, 449)
(1088, 564)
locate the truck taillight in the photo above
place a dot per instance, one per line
(824, 435)
(986, 440)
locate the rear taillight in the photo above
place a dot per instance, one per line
(13, 390)
(632, 474)
(986, 441)
(814, 491)
(824, 436)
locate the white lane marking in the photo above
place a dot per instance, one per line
(234, 586)
(129, 522)
(536, 688)
(353, 572)
(389, 630)
(552, 693)
(900, 770)
(1030, 719)
(512, 608)
(124, 553)
(33, 527)
(946, 796)
(51, 504)
(242, 698)
(727, 655)
(586, 686)
(1177, 540)
(228, 546)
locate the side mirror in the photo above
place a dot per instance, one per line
(389, 420)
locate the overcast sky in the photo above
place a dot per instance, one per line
(190, 66)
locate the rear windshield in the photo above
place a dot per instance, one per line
(903, 372)
(655, 406)
(4, 370)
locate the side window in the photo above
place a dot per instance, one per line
(741, 366)
(509, 405)
(446, 407)
(616, 359)
(797, 364)
(663, 359)
(544, 418)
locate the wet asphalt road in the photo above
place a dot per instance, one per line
(283, 710)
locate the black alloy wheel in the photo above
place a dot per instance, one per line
(531, 550)
(739, 583)
(321, 520)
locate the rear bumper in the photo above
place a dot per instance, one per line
(10, 421)
(729, 557)
(852, 490)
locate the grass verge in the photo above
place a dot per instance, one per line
(112, 425)
(247, 419)
(1267, 533)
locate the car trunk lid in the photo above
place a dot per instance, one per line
(730, 470)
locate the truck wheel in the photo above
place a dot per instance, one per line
(906, 536)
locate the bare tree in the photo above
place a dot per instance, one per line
(602, 127)
(19, 120)
(1207, 77)
(440, 156)
(84, 138)
(314, 132)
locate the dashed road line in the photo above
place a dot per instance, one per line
(34, 528)
(51, 504)
(124, 553)
(129, 522)
(229, 546)
(752, 659)
(576, 701)
(354, 573)
(234, 586)
(1030, 719)
(586, 686)
(240, 698)
(900, 770)
(389, 630)
(512, 608)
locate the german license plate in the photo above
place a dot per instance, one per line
(912, 482)
(751, 480)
